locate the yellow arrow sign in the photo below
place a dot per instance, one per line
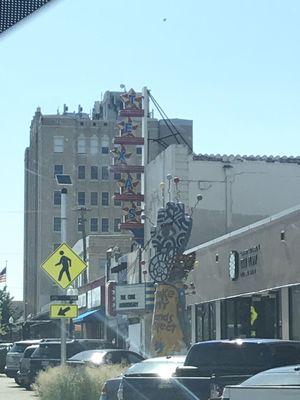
(63, 311)
(63, 266)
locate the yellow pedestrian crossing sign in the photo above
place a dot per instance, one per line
(63, 311)
(63, 266)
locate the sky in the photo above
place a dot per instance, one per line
(231, 66)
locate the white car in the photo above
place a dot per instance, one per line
(276, 384)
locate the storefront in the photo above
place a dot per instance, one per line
(247, 283)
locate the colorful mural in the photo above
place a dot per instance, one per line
(168, 268)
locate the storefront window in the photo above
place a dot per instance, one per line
(205, 321)
(253, 316)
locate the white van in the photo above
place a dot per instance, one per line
(276, 384)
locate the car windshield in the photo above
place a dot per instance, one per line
(226, 355)
(19, 347)
(274, 378)
(159, 368)
(93, 356)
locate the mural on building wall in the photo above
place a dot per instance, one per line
(168, 268)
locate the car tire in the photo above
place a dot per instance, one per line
(18, 382)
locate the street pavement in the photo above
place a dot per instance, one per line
(9, 390)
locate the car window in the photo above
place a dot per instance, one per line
(155, 368)
(223, 355)
(28, 352)
(19, 347)
(134, 358)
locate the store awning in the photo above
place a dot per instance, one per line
(90, 316)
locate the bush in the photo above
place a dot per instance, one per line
(75, 383)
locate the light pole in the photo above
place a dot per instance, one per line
(63, 180)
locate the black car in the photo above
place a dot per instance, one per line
(145, 380)
(24, 370)
(107, 356)
(48, 353)
(4, 348)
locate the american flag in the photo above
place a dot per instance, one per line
(3, 275)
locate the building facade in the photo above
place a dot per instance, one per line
(79, 145)
(247, 283)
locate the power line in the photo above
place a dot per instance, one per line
(169, 124)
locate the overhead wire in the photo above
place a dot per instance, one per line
(169, 124)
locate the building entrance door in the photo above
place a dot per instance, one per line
(250, 316)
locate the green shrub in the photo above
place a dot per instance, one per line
(75, 383)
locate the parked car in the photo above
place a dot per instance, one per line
(23, 373)
(107, 356)
(4, 348)
(48, 353)
(276, 384)
(149, 379)
(14, 355)
(211, 365)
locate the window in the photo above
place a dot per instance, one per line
(57, 198)
(139, 176)
(81, 145)
(94, 172)
(105, 224)
(79, 225)
(81, 172)
(56, 246)
(117, 222)
(117, 176)
(57, 224)
(94, 198)
(94, 224)
(105, 198)
(117, 203)
(81, 198)
(58, 144)
(138, 150)
(105, 173)
(94, 144)
(105, 144)
(58, 169)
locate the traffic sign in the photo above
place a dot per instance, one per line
(63, 266)
(63, 297)
(63, 311)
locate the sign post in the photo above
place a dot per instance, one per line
(63, 266)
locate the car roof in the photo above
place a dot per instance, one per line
(33, 341)
(246, 340)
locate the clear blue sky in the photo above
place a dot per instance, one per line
(231, 66)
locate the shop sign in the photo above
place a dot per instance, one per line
(94, 297)
(130, 297)
(248, 261)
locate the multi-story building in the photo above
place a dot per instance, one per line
(76, 144)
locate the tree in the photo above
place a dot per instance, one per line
(6, 310)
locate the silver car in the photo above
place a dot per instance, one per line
(14, 355)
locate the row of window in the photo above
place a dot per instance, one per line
(58, 145)
(94, 224)
(94, 172)
(81, 199)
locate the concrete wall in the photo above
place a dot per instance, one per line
(236, 191)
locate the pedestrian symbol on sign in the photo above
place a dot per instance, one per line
(64, 265)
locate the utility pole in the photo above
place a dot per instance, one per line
(63, 218)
